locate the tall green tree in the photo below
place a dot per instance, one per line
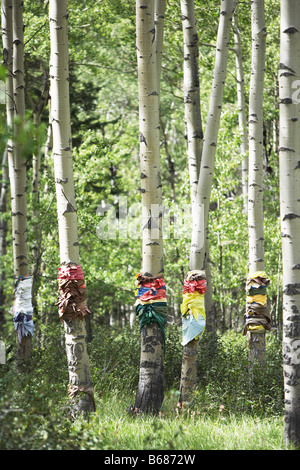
(152, 315)
(13, 47)
(201, 191)
(71, 302)
(256, 304)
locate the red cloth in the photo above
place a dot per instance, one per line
(157, 290)
(160, 294)
(70, 272)
(193, 286)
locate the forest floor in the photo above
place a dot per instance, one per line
(229, 411)
(112, 428)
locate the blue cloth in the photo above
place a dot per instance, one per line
(23, 325)
(191, 328)
(143, 290)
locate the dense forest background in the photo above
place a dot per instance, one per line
(103, 86)
(104, 115)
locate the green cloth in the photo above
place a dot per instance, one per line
(257, 291)
(153, 313)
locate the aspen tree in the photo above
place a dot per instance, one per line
(202, 169)
(150, 393)
(13, 49)
(214, 114)
(72, 306)
(256, 333)
(241, 101)
(194, 134)
(289, 157)
(6, 32)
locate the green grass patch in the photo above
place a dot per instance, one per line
(230, 410)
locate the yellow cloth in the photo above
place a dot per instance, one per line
(255, 327)
(259, 299)
(258, 274)
(193, 303)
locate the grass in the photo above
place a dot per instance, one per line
(112, 428)
(229, 412)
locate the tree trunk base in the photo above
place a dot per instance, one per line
(150, 393)
(189, 370)
(256, 342)
(24, 349)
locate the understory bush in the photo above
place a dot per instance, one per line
(34, 407)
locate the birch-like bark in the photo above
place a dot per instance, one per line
(193, 122)
(150, 393)
(18, 173)
(213, 119)
(289, 158)
(7, 42)
(201, 155)
(191, 90)
(194, 133)
(13, 55)
(241, 101)
(256, 340)
(3, 230)
(159, 8)
(75, 331)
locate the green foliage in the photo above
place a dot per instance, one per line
(34, 408)
(227, 379)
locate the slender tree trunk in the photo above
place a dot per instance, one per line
(7, 41)
(150, 393)
(243, 128)
(13, 48)
(191, 90)
(256, 331)
(289, 157)
(201, 165)
(194, 133)
(213, 118)
(3, 231)
(72, 305)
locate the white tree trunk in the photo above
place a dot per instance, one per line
(213, 118)
(191, 90)
(75, 331)
(194, 133)
(193, 122)
(256, 337)
(150, 391)
(241, 100)
(159, 8)
(289, 158)
(13, 52)
(18, 167)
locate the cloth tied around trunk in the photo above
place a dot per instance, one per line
(257, 317)
(192, 307)
(22, 310)
(72, 289)
(151, 303)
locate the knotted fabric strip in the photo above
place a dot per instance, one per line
(257, 317)
(151, 303)
(71, 300)
(192, 307)
(22, 310)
